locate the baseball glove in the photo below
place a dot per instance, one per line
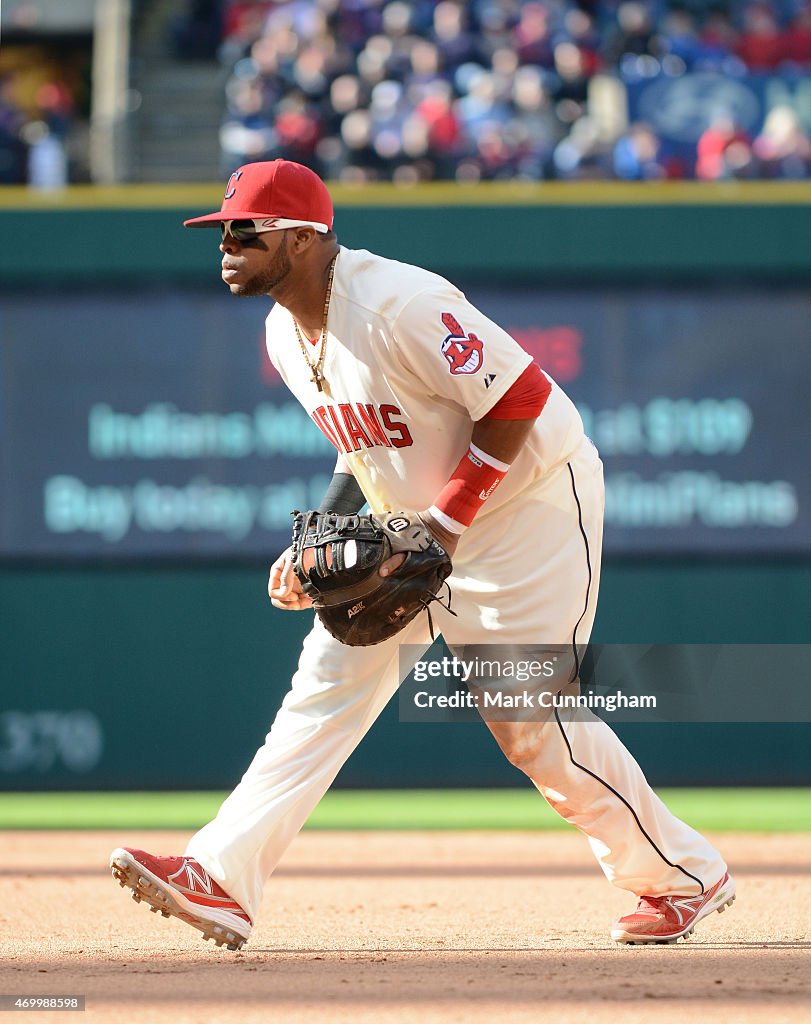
(336, 559)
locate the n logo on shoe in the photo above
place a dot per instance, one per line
(192, 876)
(688, 904)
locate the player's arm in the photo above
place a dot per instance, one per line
(344, 496)
(458, 353)
(496, 440)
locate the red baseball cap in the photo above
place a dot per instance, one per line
(272, 188)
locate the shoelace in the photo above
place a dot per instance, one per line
(655, 903)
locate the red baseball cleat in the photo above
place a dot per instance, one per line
(669, 918)
(181, 887)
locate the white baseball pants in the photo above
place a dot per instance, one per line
(527, 574)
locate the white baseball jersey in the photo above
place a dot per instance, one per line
(409, 363)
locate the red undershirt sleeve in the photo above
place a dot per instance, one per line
(525, 399)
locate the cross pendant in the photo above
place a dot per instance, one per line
(316, 379)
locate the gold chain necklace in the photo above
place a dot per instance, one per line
(317, 368)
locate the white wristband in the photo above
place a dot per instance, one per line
(451, 525)
(490, 460)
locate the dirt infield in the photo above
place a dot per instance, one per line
(402, 927)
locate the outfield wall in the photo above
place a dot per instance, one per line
(170, 677)
(134, 671)
(553, 231)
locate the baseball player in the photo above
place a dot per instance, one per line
(432, 409)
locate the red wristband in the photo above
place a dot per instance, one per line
(471, 484)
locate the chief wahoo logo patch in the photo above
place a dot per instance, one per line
(464, 352)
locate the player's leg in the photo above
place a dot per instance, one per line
(581, 767)
(336, 694)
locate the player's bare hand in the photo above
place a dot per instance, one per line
(284, 589)
(391, 564)
(448, 540)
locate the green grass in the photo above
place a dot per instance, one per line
(718, 810)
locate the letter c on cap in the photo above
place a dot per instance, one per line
(232, 191)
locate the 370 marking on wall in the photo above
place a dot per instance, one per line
(43, 741)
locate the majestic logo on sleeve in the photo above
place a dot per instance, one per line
(464, 352)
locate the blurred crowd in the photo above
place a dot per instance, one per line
(367, 90)
(43, 120)
(464, 90)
